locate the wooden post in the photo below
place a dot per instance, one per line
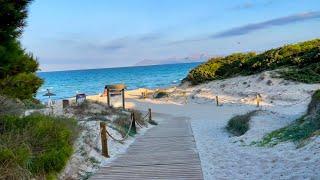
(258, 100)
(104, 140)
(108, 97)
(123, 100)
(217, 100)
(134, 128)
(150, 115)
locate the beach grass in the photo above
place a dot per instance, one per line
(239, 124)
(35, 146)
(301, 129)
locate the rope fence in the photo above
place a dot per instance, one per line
(105, 134)
(258, 100)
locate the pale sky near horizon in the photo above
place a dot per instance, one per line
(111, 33)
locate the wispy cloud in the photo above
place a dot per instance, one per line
(249, 28)
(251, 5)
(266, 24)
(246, 5)
(150, 37)
(109, 45)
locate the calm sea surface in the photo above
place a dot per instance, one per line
(66, 84)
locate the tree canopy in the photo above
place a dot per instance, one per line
(17, 67)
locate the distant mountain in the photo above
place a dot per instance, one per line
(191, 59)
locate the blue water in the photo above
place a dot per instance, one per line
(66, 84)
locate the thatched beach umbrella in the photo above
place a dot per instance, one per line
(49, 94)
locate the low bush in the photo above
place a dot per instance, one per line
(33, 104)
(307, 74)
(300, 130)
(35, 146)
(239, 125)
(160, 94)
(9, 106)
(303, 59)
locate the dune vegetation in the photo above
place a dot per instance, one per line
(239, 124)
(301, 129)
(34, 146)
(298, 62)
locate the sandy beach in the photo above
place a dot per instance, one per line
(224, 156)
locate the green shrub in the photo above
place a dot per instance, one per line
(9, 106)
(33, 104)
(303, 58)
(160, 94)
(239, 125)
(307, 74)
(35, 146)
(299, 130)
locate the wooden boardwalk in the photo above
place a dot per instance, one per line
(167, 151)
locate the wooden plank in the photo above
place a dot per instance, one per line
(168, 151)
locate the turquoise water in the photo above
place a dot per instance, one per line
(66, 84)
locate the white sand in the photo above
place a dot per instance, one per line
(226, 157)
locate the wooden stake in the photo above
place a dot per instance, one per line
(150, 115)
(217, 100)
(108, 97)
(134, 128)
(123, 100)
(104, 140)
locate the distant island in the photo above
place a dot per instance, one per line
(191, 59)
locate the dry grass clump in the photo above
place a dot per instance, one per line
(239, 125)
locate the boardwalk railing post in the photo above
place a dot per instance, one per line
(104, 140)
(217, 100)
(123, 100)
(150, 115)
(108, 97)
(134, 129)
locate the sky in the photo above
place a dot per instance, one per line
(82, 34)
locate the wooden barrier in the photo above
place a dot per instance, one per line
(104, 140)
(217, 100)
(150, 115)
(134, 128)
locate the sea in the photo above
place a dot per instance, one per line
(66, 84)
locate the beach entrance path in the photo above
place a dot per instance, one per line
(167, 151)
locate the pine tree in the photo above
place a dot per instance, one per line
(17, 67)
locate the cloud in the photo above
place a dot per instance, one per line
(247, 5)
(89, 44)
(251, 5)
(149, 37)
(266, 24)
(249, 28)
